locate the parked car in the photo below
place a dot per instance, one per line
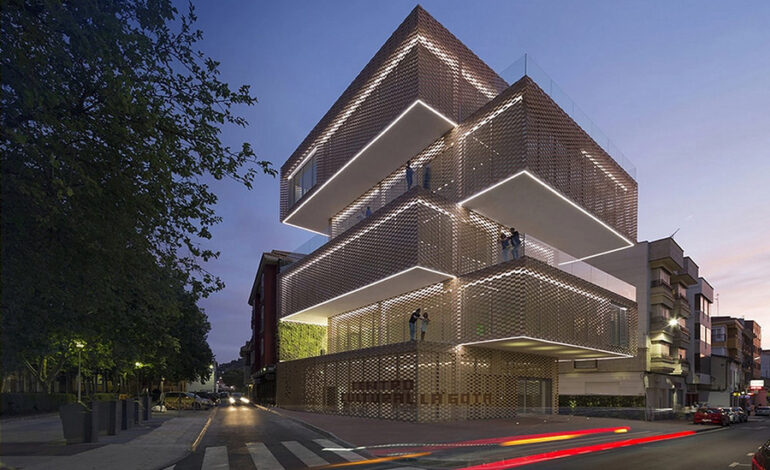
(237, 399)
(183, 401)
(712, 416)
(738, 415)
(762, 411)
(206, 402)
(761, 459)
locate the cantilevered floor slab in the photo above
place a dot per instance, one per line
(561, 351)
(405, 281)
(531, 206)
(416, 128)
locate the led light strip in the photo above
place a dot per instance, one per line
(389, 67)
(546, 341)
(450, 276)
(564, 198)
(493, 115)
(365, 231)
(597, 254)
(360, 152)
(536, 275)
(600, 166)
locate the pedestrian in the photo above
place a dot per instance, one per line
(426, 176)
(424, 326)
(409, 174)
(505, 246)
(515, 242)
(412, 324)
(368, 211)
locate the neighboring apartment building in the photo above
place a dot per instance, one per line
(752, 350)
(727, 354)
(700, 296)
(661, 275)
(486, 155)
(765, 365)
(261, 350)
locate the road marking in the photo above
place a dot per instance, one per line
(307, 456)
(203, 431)
(262, 457)
(736, 464)
(170, 468)
(350, 456)
(215, 458)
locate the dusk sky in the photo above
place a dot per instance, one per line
(682, 88)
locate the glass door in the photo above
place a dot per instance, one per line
(533, 396)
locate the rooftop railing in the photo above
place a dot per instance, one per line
(525, 66)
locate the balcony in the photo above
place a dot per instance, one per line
(663, 364)
(688, 275)
(399, 249)
(666, 253)
(527, 306)
(410, 132)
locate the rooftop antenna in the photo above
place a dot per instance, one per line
(675, 231)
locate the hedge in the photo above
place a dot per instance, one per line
(603, 401)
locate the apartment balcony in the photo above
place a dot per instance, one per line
(661, 293)
(662, 364)
(666, 253)
(528, 306)
(688, 274)
(683, 367)
(681, 307)
(400, 248)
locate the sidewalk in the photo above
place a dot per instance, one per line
(38, 444)
(371, 432)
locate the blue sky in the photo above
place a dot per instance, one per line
(682, 88)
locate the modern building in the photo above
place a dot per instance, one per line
(658, 372)
(261, 351)
(414, 174)
(700, 296)
(765, 364)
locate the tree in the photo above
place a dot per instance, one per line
(233, 378)
(111, 126)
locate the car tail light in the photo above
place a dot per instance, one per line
(755, 465)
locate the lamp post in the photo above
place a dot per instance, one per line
(80, 345)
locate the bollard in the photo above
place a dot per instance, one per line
(146, 407)
(114, 424)
(127, 417)
(92, 423)
(136, 411)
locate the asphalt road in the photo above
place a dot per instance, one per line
(246, 437)
(721, 449)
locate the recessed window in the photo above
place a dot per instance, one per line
(302, 180)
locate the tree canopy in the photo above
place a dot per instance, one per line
(111, 127)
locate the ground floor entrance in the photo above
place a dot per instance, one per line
(534, 396)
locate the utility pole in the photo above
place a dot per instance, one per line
(80, 345)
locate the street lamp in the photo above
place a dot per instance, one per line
(80, 345)
(673, 322)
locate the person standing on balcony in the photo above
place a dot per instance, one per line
(368, 211)
(409, 174)
(413, 324)
(515, 242)
(505, 246)
(426, 176)
(424, 326)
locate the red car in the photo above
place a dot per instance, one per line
(761, 460)
(712, 416)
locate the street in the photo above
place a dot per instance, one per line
(247, 437)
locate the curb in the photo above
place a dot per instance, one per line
(313, 428)
(198, 439)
